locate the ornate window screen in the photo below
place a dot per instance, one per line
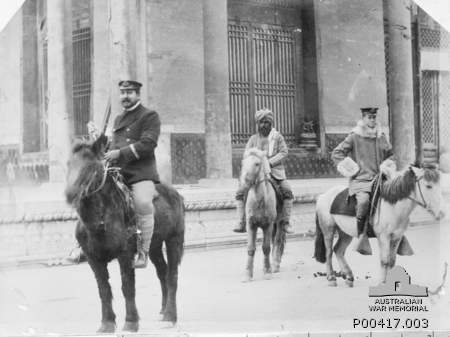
(262, 75)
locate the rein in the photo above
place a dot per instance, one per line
(257, 181)
(102, 183)
(422, 203)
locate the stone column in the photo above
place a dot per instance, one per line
(217, 110)
(100, 61)
(30, 96)
(400, 79)
(60, 109)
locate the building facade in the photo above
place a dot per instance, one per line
(207, 66)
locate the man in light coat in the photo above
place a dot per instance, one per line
(368, 147)
(271, 141)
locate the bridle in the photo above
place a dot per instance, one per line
(257, 181)
(106, 168)
(421, 203)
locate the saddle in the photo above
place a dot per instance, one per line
(343, 204)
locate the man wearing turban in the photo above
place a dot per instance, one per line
(271, 141)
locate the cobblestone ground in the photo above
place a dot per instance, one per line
(212, 298)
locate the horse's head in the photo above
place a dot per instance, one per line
(254, 166)
(82, 165)
(428, 189)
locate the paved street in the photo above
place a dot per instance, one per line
(211, 296)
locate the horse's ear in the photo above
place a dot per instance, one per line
(99, 146)
(418, 172)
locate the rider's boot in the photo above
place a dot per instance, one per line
(286, 216)
(144, 237)
(404, 248)
(363, 244)
(240, 208)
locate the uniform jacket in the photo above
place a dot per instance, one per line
(276, 149)
(368, 149)
(135, 134)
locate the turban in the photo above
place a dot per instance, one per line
(264, 113)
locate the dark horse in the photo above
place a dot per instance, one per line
(107, 229)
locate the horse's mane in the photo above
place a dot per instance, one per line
(89, 180)
(403, 185)
(399, 187)
(254, 152)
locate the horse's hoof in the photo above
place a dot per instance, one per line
(247, 278)
(131, 326)
(349, 283)
(169, 317)
(107, 327)
(332, 283)
(267, 270)
(276, 269)
(267, 276)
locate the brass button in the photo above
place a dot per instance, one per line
(128, 140)
(128, 129)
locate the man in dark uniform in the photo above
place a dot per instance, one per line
(134, 139)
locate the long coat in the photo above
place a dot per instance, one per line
(135, 134)
(368, 150)
(276, 149)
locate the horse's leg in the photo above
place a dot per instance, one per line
(101, 275)
(129, 292)
(173, 260)
(279, 241)
(339, 250)
(251, 247)
(384, 242)
(157, 258)
(267, 237)
(393, 251)
(328, 234)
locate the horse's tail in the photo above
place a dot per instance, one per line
(319, 246)
(176, 202)
(180, 231)
(279, 238)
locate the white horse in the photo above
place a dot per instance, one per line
(261, 211)
(399, 196)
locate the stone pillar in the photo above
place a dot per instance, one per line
(400, 79)
(100, 61)
(60, 109)
(124, 37)
(30, 96)
(217, 110)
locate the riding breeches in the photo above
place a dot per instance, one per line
(143, 194)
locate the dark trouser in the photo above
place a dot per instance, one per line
(362, 209)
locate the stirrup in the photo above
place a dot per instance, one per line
(287, 227)
(363, 245)
(75, 256)
(140, 260)
(240, 228)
